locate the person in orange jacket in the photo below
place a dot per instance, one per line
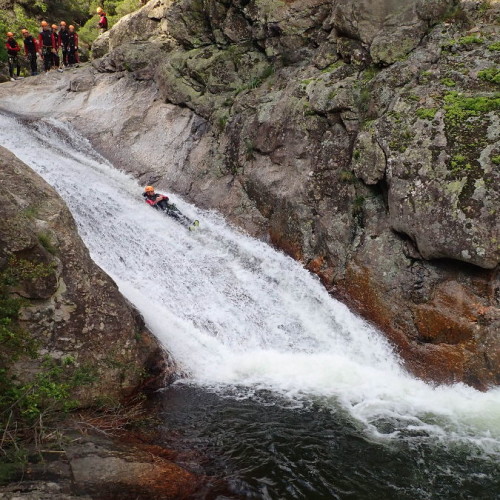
(12, 53)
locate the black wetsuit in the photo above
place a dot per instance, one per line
(64, 38)
(30, 49)
(47, 44)
(72, 48)
(12, 53)
(55, 57)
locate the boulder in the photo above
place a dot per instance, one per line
(73, 310)
(391, 28)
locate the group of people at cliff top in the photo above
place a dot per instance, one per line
(47, 45)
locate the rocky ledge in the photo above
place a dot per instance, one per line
(362, 138)
(102, 467)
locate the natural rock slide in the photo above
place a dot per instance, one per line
(361, 138)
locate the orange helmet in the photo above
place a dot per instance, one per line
(9, 34)
(63, 23)
(44, 23)
(54, 26)
(149, 189)
(71, 27)
(25, 32)
(99, 10)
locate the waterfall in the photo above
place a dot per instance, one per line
(237, 314)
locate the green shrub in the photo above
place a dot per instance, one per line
(15, 20)
(494, 46)
(115, 10)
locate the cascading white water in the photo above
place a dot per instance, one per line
(233, 311)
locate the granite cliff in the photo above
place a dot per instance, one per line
(362, 138)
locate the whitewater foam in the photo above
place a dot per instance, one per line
(235, 312)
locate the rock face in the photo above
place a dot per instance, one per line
(389, 28)
(74, 310)
(359, 137)
(92, 465)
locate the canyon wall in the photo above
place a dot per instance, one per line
(362, 138)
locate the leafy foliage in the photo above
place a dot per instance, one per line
(81, 13)
(115, 9)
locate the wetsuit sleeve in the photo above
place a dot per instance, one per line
(54, 45)
(150, 202)
(12, 48)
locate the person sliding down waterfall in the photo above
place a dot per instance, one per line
(160, 202)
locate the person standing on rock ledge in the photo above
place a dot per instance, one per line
(64, 42)
(12, 53)
(55, 56)
(103, 20)
(72, 46)
(31, 51)
(47, 44)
